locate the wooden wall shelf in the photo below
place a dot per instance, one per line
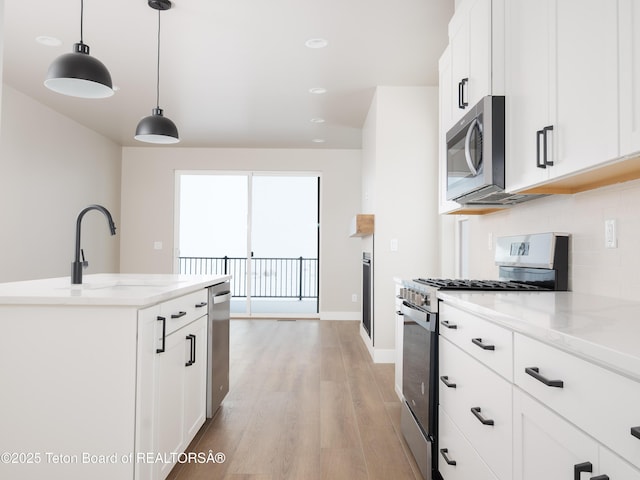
(361, 225)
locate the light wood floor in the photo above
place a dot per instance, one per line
(305, 403)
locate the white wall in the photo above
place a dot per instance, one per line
(593, 268)
(148, 209)
(400, 165)
(50, 169)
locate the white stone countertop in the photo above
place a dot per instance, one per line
(603, 330)
(107, 289)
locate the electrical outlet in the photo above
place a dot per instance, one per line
(490, 241)
(610, 234)
(354, 298)
(394, 245)
(157, 245)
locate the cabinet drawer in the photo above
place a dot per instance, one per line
(598, 401)
(181, 311)
(457, 459)
(479, 389)
(486, 341)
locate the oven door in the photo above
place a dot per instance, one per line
(419, 365)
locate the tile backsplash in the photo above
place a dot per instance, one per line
(593, 268)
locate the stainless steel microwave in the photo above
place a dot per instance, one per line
(475, 155)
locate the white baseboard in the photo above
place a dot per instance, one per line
(340, 316)
(378, 355)
(384, 355)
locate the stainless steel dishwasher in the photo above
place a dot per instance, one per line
(219, 300)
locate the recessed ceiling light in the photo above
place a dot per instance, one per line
(48, 41)
(317, 120)
(318, 90)
(316, 43)
(318, 140)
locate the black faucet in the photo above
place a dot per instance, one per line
(77, 265)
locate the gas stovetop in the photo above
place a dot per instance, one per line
(451, 284)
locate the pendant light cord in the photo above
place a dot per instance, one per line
(81, 18)
(158, 66)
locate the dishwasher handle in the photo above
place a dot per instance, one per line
(221, 297)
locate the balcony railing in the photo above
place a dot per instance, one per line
(270, 277)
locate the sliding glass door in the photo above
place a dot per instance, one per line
(263, 229)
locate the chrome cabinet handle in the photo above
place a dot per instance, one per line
(635, 431)
(580, 468)
(600, 477)
(445, 454)
(476, 412)
(535, 373)
(445, 380)
(178, 315)
(478, 342)
(164, 334)
(201, 304)
(449, 325)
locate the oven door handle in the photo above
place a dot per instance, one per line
(414, 315)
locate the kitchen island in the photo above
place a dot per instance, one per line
(104, 380)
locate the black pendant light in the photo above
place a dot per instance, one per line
(78, 74)
(157, 128)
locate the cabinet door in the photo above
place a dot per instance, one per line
(545, 445)
(585, 87)
(470, 43)
(527, 70)
(629, 25)
(169, 391)
(459, 46)
(561, 117)
(446, 121)
(149, 341)
(195, 381)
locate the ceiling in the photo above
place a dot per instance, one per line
(233, 73)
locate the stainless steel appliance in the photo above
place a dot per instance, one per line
(536, 262)
(219, 300)
(476, 157)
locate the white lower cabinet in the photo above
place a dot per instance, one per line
(457, 459)
(561, 417)
(479, 402)
(172, 389)
(545, 445)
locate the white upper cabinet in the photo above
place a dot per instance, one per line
(629, 22)
(561, 88)
(446, 111)
(475, 53)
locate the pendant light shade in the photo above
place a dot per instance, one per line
(78, 74)
(157, 128)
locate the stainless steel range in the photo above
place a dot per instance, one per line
(535, 262)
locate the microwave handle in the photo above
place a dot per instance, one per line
(467, 147)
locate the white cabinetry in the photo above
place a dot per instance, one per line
(629, 23)
(545, 445)
(476, 55)
(172, 341)
(550, 410)
(446, 112)
(561, 88)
